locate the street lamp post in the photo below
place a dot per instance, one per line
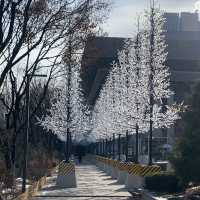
(26, 136)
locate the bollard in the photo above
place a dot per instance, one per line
(123, 172)
(114, 173)
(137, 173)
(66, 175)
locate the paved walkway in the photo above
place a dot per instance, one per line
(91, 184)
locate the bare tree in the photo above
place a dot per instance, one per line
(33, 38)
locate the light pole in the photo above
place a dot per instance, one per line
(26, 136)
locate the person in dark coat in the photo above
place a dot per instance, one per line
(80, 153)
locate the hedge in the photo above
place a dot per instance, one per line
(164, 182)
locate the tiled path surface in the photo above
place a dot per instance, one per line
(91, 184)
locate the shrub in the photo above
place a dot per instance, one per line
(164, 182)
(185, 156)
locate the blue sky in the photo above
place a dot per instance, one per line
(122, 19)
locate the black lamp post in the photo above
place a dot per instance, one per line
(26, 136)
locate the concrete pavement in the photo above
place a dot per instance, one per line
(91, 184)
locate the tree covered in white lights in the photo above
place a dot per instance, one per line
(68, 116)
(134, 95)
(156, 74)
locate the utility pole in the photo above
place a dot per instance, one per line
(26, 136)
(151, 82)
(26, 133)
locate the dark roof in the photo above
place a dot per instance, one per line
(105, 47)
(98, 55)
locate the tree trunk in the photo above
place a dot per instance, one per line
(67, 147)
(7, 157)
(136, 144)
(126, 152)
(113, 146)
(119, 147)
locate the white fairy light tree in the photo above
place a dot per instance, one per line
(119, 107)
(68, 115)
(133, 108)
(156, 74)
(132, 97)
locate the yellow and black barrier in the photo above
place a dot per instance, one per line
(131, 168)
(114, 163)
(143, 170)
(66, 175)
(66, 168)
(123, 166)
